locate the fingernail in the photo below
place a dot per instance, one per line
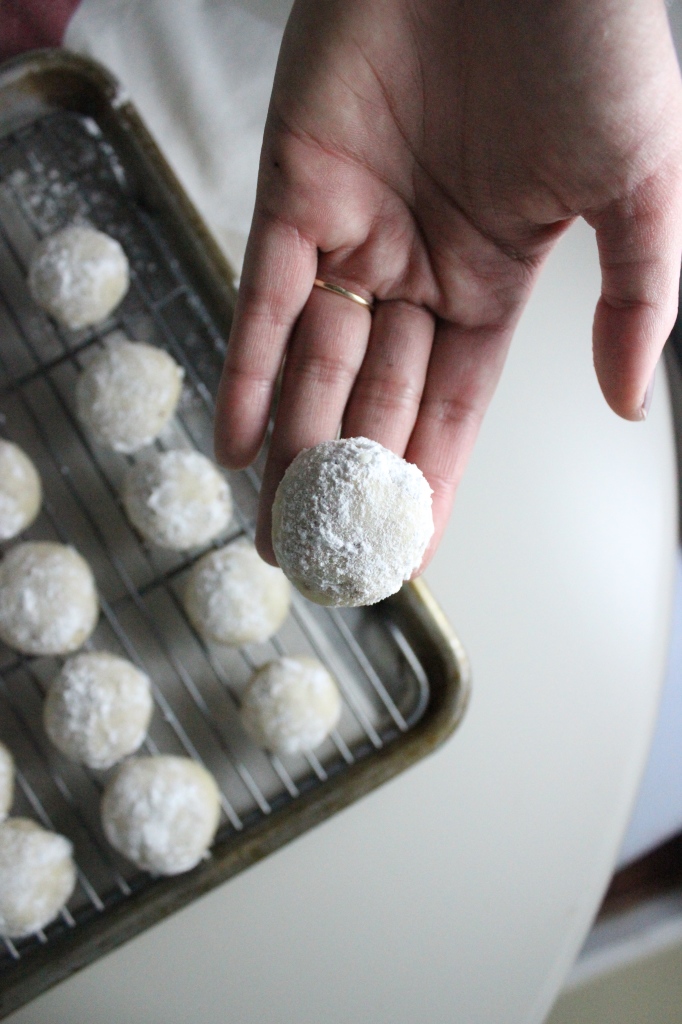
(646, 404)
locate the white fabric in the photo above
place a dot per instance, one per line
(200, 74)
(658, 812)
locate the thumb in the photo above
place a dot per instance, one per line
(639, 240)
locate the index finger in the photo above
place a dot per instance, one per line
(278, 275)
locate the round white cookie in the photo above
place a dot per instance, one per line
(78, 275)
(290, 705)
(127, 394)
(97, 710)
(350, 521)
(48, 598)
(234, 597)
(161, 812)
(6, 781)
(37, 876)
(177, 499)
(20, 490)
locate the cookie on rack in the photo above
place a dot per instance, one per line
(6, 781)
(48, 598)
(177, 499)
(21, 492)
(291, 705)
(127, 393)
(161, 812)
(97, 710)
(37, 876)
(350, 522)
(78, 275)
(233, 597)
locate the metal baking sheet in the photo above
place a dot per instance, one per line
(71, 150)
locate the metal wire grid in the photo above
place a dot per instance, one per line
(52, 172)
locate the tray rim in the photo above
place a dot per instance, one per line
(60, 76)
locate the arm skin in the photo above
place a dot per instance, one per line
(430, 153)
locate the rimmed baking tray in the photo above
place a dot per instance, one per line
(73, 149)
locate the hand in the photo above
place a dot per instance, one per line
(429, 153)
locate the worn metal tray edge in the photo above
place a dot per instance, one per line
(78, 84)
(425, 626)
(75, 83)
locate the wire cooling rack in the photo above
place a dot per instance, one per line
(56, 170)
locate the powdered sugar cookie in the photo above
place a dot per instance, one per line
(37, 876)
(177, 499)
(291, 705)
(6, 781)
(351, 520)
(48, 599)
(20, 490)
(161, 812)
(97, 710)
(127, 394)
(78, 275)
(234, 597)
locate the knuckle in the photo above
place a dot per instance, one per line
(265, 314)
(390, 394)
(450, 411)
(243, 375)
(324, 369)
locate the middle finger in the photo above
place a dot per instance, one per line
(323, 360)
(385, 399)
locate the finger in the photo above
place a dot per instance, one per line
(279, 269)
(463, 371)
(323, 360)
(639, 251)
(385, 399)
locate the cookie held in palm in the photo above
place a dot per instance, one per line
(350, 522)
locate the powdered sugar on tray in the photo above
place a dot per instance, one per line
(351, 521)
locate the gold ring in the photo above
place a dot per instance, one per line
(338, 290)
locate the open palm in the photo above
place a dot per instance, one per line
(426, 155)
